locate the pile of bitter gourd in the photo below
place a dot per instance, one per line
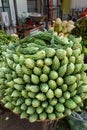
(80, 30)
(43, 77)
(5, 39)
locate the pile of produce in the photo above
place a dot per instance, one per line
(63, 28)
(80, 30)
(43, 77)
(5, 39)
(84, 105)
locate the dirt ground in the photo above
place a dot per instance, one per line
(9, 121)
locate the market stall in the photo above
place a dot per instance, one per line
(42, 74)
(33, 20)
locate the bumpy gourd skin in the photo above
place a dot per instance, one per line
(48, 83)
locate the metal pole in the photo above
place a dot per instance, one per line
(35, 5)
(3, 6)
(42, 7)
(48, 9)
(51, 10)
(16, 13)
(57, 9)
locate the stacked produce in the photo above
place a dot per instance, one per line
(85, 104)
(5, 39)
(80, 30)
(43, 77)
(63, 28)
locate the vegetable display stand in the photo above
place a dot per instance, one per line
(42, 80)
